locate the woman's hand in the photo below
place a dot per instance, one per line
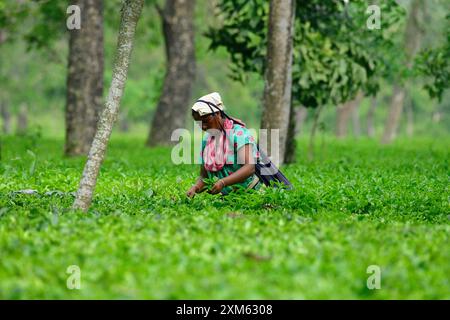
(192, 191)
(217, 187)
(199, 185)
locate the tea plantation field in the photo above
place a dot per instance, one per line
(358, 204)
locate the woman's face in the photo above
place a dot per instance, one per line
(207, 121)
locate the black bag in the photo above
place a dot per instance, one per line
(268, 173)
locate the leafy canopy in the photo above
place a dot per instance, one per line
(335, 54)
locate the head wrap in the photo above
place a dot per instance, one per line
(208, 104)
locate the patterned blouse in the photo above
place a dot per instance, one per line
(239, 137)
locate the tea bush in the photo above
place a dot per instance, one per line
(358, 204)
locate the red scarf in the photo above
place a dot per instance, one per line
(217, 148)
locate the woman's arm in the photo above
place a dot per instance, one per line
(245, 156)
(199, 184)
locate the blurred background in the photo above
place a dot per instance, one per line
(35, 50)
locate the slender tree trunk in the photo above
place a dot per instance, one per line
(395, 111)
(355, 121)
(343, 114)
(6, 127)
(3, 37)
(412, 44)
(410, 117)
(84, 78)
(297, 116)
(124, 125)
(6, 116)
(313, 133)
(178, 28)
(291, 145)
(301, 113)
(22, 120)
(370, 117)
(278, 75)
(131, 10)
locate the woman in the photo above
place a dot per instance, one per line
(229, 152)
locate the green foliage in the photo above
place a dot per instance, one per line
(359, 204)
(12, 15)
(38, 77)
(50, 23)
(39, 22)
(435, 64)
(209, 182)
(45, 20)
(335, 55)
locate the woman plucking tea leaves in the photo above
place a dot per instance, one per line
(230, 158)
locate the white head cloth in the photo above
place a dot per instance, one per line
(203, 108)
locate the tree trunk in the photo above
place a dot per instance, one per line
(124, 125)
(301, 113)
(6, 116)
(356, 122)
(22, 120)
(395, 111)
(313, 133)
(131, 10)
(278, 76)
(410, 117)
(342, 115)
(84, 78)
(370, 117)
(344, 112)
(2, 39)
(412, 44)
(297, 116)
(178, 28)
(291, 144)
(3, 36)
